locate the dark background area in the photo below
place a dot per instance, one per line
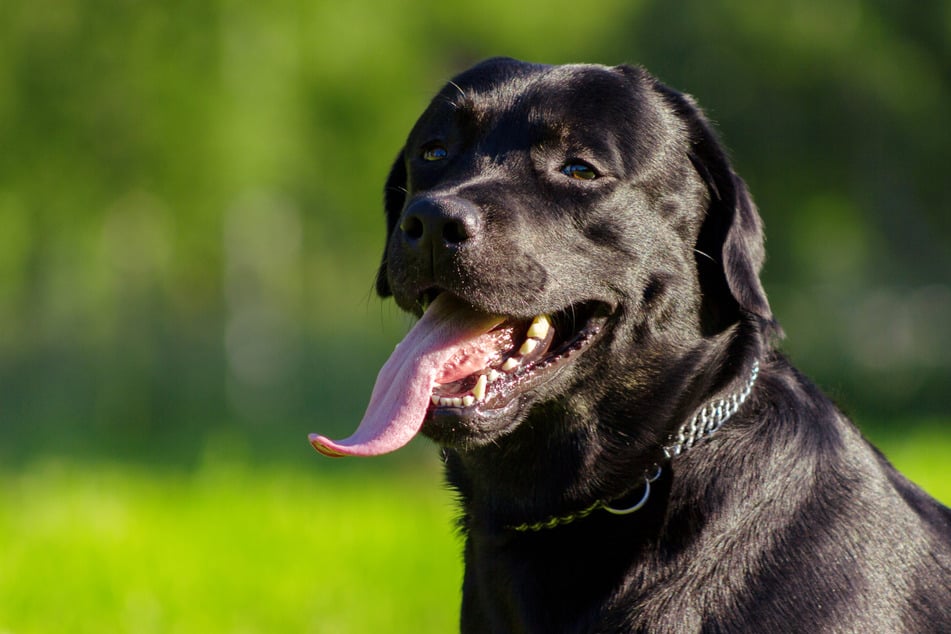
(190, 199)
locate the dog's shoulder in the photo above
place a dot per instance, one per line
(798, 519)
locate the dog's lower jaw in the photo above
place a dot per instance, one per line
(475, 431)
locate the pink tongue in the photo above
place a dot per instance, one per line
(403, 387)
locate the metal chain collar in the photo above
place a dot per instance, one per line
(708, 420)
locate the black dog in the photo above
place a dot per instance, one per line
(595, 357)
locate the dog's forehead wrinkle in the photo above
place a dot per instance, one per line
(581, 107)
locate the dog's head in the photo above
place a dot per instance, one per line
(566, 234)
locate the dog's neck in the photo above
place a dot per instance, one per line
(705, 421)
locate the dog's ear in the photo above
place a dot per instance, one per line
(394, 197)
(730, 250)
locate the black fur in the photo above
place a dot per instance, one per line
(784, 520)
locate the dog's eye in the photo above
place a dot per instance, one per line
(434, 152)
(581, 171)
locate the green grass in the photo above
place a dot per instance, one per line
(229, 547)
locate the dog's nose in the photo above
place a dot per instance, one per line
(435, 225)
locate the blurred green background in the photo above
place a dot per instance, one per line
(190, 222)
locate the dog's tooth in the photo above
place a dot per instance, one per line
(478, 392)
(528, 346)
(539, 328)
(510, 364)
(456, 401)
(468, 400)
(494, 375)
(445, 402)
(435, 399)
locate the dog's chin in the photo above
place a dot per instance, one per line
(491, 402)
(462, 429)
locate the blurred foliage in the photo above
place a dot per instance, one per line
(190, 195)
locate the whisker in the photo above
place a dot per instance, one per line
(462, 92)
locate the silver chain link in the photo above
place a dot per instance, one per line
(710, 418)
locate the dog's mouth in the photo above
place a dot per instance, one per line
(459, 363)
(515, 355)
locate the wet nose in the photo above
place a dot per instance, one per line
(439, 225)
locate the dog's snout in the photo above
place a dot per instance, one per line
(432, 225)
